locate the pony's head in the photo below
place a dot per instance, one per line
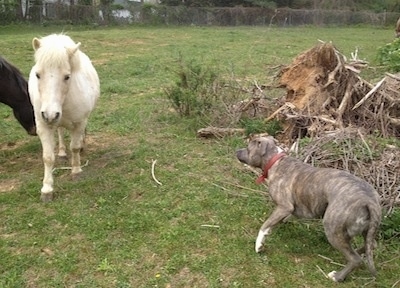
(14, 93)
(56, 58)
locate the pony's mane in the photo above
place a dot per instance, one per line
(53, 51)
(13, 72)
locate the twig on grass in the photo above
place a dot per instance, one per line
(246, 188)
(153, 164)
(70, 168)
(229, 192)
(209, 226)
(247, 232)
(330, 260)
(390, 260)
(320, 270)
(395, 283)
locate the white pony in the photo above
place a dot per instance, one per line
(64, 88)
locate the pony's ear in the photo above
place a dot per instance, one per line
(71, 50)
(35, 43)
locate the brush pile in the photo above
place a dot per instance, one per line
(347, 119)
(331, 117)
(325, 92)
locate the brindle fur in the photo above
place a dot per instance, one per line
(348, 205)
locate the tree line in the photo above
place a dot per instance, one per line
(352, 5)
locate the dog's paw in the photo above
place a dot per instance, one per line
(332, 275)
(259, 247)
(260, 242)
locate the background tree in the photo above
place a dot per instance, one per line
(354, 5)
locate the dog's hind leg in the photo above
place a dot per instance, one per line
(343, 244)
(279, 214)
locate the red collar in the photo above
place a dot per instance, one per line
(268, 166)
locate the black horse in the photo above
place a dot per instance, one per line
(14, 93)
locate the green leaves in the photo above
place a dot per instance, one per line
(389, 55)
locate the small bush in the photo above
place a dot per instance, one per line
(194, 93)
(255, 126)
(390, 227)
(389, 55)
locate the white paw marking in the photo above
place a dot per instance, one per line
(332, 275)
(260, 240)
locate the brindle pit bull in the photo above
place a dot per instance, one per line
(348, 205)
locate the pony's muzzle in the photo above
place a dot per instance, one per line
(50, 118)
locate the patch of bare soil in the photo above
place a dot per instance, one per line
(12, 145)
(7, 185)
(187, 278)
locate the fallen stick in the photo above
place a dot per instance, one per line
(320, 270)
(68, 167)
(393, 76)
(219, 132)
(153, 164)
(330, 260)
(372, 91)
(209, 226)
(246, 188)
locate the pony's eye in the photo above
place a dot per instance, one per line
(37, 75)
(67, 77)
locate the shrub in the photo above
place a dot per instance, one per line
(390, 225)
(194, 93)
(255, 126)
(389, 55)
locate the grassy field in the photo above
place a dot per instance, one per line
(115, 226)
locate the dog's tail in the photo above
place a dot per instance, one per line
(374, 221)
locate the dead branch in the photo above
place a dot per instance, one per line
(209, 132)
(373, 90)
(153, 164)
(344, 104)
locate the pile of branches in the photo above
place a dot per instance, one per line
(325, 92)
(364, 155)
(347, 120)
(337, 118)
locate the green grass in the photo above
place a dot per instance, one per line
(114, 226)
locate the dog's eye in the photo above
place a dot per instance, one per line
(66, 77)
(37, 75)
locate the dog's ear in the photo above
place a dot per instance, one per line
(268, 145)
(262, 144)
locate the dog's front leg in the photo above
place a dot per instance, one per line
(279, 214)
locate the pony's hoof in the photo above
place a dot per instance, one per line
(76, 176)
(46, 197)
(63, 158)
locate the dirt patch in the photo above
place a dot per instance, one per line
(7, 185)
(12, 145)
(187, 278)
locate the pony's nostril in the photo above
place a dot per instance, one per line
(44, 116)
(57, 115)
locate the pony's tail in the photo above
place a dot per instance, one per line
(374, 221)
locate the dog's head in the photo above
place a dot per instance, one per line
(258, 152)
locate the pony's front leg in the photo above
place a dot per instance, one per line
(77, 138)
(61, 143)
(46, 136)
